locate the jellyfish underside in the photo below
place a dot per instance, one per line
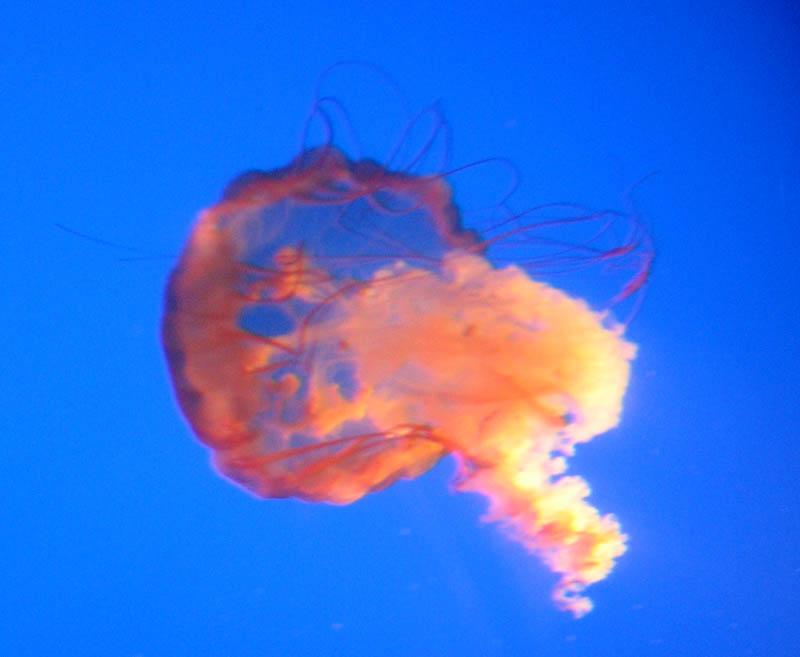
(330, 328)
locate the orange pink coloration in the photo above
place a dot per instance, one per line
(331, 327)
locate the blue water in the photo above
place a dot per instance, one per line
(122, 121)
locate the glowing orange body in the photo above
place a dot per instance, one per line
(330, 328)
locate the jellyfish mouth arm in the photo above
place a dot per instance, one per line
(551, 519)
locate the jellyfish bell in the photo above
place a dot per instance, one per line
(331, 327)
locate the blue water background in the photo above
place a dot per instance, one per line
(121, 120)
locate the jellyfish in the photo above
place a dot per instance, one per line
(332, 326)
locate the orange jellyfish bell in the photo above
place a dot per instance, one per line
(331, 327)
